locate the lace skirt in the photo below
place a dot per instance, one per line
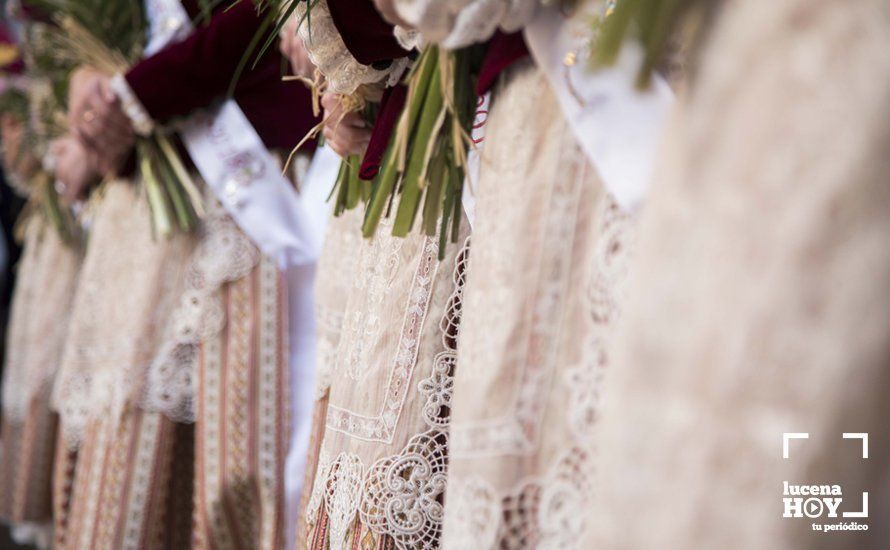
(538, 307)
(386, 385)
(336, 267)
(47, 274)
(130, 283)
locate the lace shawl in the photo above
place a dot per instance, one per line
(336, 265)
(47, 278)
(129, 286)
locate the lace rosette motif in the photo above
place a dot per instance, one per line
(540, 512)
(401, 496)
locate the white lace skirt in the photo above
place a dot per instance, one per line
(386, 411)
(130, 283)
(549, 248)
(47, 275)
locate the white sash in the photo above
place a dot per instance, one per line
(618, 127)
(477, 134)
(236, 165)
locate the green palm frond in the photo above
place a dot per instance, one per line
(656, 25)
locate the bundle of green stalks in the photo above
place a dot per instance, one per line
(109, 35)
(423, 169)
(658, 26)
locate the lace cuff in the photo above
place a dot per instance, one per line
(143, 125)
(329, 53)
(458, 23)
(408, 39)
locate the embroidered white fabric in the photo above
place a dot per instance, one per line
(130, 284)
(337, 262)
(344, 74)
(223, 254)
(757, 301)
(540, 304)
(458, 23)
(47, 277)
(401, 494)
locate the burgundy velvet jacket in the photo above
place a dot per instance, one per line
(366, 35)
(198, 71)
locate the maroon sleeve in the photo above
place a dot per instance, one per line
(503, 50)
(366, 35)
(391, 105)
(30, 12)
(194, 73)
(191, 73)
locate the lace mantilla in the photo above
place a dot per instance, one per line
(224, 254)
(518, 430)
(328, 52)
(605, 292)
(539, 312)
(339, 259)
(129, 286)
(400, 496)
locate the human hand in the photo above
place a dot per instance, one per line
(75, 167)
(96, 118)
(345, 132)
